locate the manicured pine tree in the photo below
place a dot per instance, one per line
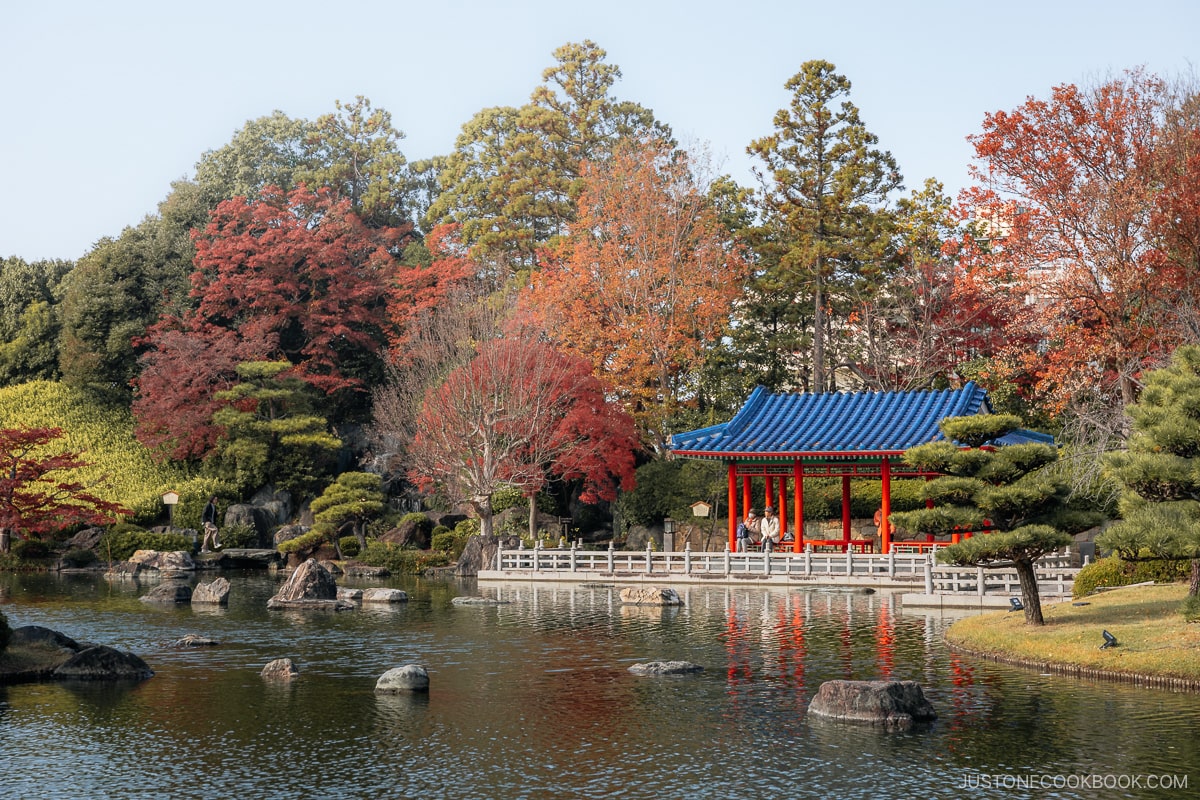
(1009, 496)
(1160, 472)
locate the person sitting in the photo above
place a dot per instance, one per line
(747, 531)
(769, 528)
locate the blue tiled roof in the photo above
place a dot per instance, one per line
(857, 423)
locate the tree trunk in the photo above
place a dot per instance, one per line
(1194, 582)
(1029, 591)
(483, 508)
(533, 517)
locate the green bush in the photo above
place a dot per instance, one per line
(348, 546)
(1112, 571)
(123, 541)
(80, 558)
(30, 549)
(453, 542)
(239, 536)
(1191, 609)
(305, 541)
(401, 561)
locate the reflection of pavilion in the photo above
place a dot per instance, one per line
(785, 438)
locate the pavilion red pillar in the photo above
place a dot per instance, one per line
(733, 506)
(846, 512)
(798, 502)
(783, 515)
(745, 496)
(767, 501)
(885, 526)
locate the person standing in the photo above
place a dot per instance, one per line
(209, 520)
(769, 527)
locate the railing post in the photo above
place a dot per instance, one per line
(808, 559)
(891, 562)
(687, 558)
(766, 554)
(573, 551)
(849, 563)
(929, 574)
(728, 560)
(979, 578)
(611, 569)
(649, 555)
(537, 556)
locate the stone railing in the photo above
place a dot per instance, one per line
(901, 570)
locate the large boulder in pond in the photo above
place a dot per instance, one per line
(172, 561)
(169, 592)
(409, 678)
(37, 653)
(252, 516)
(650, 596)
(413, 531)
(215, 592)
(103, 663)
(380, 594)
(888, 704)
(310, 586)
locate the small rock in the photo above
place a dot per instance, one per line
(195, 640)
(649, 596)
(380, 595)
(174, 561)
(409, 678)
(281, 669)
(364, 571)
(477, 601)
(666, 668)
(349, 594)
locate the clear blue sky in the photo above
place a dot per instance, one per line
(105, 103)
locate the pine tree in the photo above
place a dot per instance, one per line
(1160, 471)
(1008, 496)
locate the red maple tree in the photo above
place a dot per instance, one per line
(420, 290)
(35, 497)
(520, 412)
(1066, 204)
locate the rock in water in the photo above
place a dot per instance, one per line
(102, 663)
(409, 678)
(216, 592)
(890, 704)
(310, 586)
(666, 668)
(281, 669)
(169, 592)
(649, 596)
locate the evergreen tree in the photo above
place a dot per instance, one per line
(272, 436)
(1008, 496)
(1160, 470)
(823, 223)
(352, 500)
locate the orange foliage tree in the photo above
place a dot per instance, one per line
(1066, 205)
(642, 284)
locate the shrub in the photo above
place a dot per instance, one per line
(304, 542)
(1191, 609)
(80, 558)
(119, 545)
(238, 536)
(399, 560)
(1112, 571)
(420, 521)
(349, 546)
(30, 549)
(453, 542)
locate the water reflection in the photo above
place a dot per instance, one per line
(533, 698)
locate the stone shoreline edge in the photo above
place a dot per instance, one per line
(1076, 671)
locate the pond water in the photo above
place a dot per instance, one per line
(533, 699)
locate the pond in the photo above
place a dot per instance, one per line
(533, 699)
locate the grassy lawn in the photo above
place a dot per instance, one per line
(1153, 638)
